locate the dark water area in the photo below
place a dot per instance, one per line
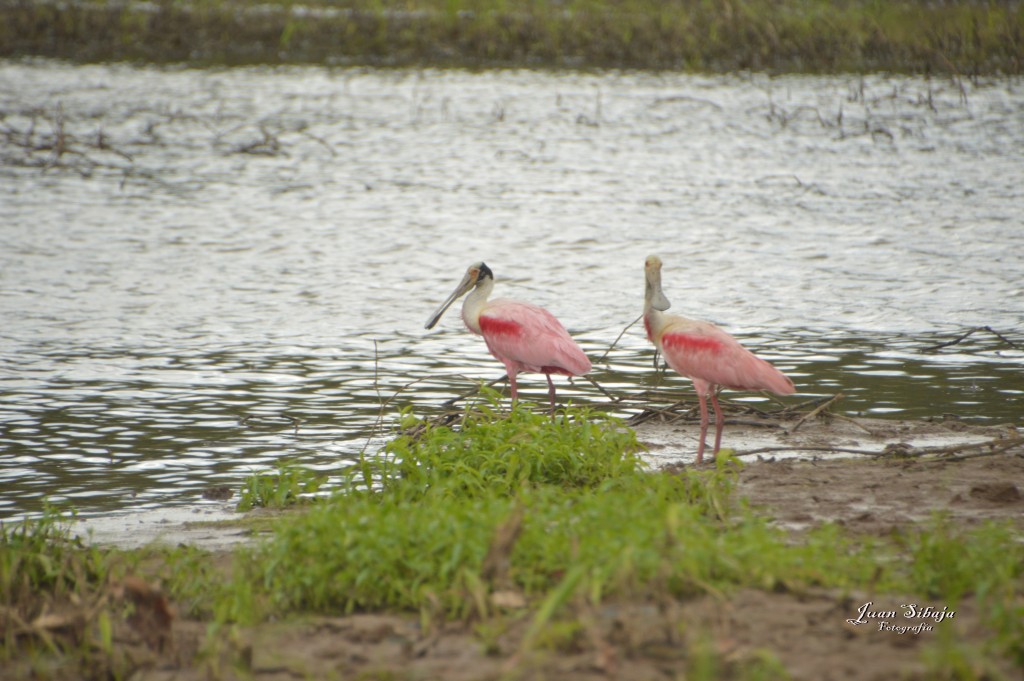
(204, 273)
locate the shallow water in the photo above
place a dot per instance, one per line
(230, 268)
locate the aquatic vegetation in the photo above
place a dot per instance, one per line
(960, 38)
(289, 484)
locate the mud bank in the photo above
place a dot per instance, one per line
(674, 442)
(749, 634)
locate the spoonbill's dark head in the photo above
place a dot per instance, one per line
(476, 275)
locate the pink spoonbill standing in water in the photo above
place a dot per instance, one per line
(523, 337)
(705, 354)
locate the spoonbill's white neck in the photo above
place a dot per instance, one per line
(475, 302)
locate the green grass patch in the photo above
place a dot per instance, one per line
(497, 454)
(652, 534)
(51, 596)
(40, 555)
(948, 564)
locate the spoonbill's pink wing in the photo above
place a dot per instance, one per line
(531, 338)
(702, 351)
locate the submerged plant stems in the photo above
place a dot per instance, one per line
(957, 38)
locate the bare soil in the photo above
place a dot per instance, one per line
(870, 475)
(807, 632)
(879, 496)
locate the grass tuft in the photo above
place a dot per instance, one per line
(290, 484)
(41, 555)
(494, 453)
(51, 599)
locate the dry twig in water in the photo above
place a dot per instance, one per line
(618, 338)
(962, 337)
(903, 450)
(817, 410)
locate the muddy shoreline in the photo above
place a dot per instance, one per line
(779, 631)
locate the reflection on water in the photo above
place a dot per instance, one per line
(230, 268)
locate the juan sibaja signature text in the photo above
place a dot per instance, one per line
(888, 620)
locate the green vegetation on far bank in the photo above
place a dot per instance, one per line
(511, 517)
(909, 36)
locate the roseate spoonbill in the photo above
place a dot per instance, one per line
(705, 354)
(523, 337)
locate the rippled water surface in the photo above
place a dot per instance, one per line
(206, 272)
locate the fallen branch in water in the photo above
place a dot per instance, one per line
(798, 448)
(753, 423)
(448, 417)
(617, 339)
(854, 422)
(649, 412)
(604, 392)
(60, 148)
(472, 393)
(995, 446)
(904, 450)
(976, 329)
(817, 410)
